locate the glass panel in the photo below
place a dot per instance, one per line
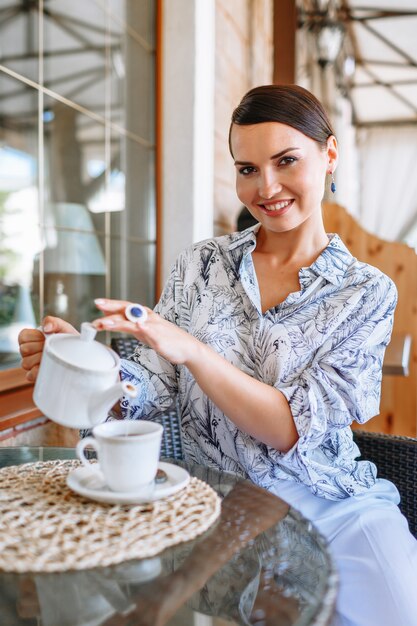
(19, 37)
(19, 103)
(117, 79)
(78, 191)
(132, 74)
(74, 214)
(139, 90)
(109, 194)
(19, 217)
(139, 15)
(74, 168)
(132, 271)
(74, 272)
(138, 172)
(75, 54)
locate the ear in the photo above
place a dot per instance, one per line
(332, 153)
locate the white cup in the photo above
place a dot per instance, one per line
(128, 453)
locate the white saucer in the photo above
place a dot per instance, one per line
(90, 483)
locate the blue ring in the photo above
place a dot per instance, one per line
(135, 312)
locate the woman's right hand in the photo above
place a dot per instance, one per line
(32, 342)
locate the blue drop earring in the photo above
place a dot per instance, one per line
(333, 184)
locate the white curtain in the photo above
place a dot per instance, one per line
(388, 182)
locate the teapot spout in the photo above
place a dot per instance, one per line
(103, 401)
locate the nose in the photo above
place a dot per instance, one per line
(269, 185)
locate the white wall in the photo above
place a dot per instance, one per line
(187, 125)
(213, 52)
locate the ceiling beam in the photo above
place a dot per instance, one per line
(66, 27)
(390, 44)
(350, 14)
(53, 83)
(5, 19)
(368, 18)
(384, 84)
(88, 26)
(364, 61)
(392, 91)
(55, 53)
(10, 7)
(379, 13)
(91, 81)
(408, 121)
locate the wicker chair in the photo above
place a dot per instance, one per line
(396, 460)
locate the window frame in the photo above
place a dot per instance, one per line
(16, 403)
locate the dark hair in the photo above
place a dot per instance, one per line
(286, 104)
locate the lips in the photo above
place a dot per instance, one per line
(276, 208)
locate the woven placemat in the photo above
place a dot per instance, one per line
(45, 527)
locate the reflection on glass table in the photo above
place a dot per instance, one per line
(261, 563)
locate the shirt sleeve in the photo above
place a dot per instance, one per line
(154, 377)
(343, 382)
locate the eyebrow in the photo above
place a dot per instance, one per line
(274, 156)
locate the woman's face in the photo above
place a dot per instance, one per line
(280, 173)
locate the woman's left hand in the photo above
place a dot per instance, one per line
(167, 339)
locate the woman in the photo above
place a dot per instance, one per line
(273, 340)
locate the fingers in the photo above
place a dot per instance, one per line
(120, 324)
(32, 342)
(28, 335)
(31, 366)
(29, 348)
(111, 306)
(112, 322)
(121, 316)
(31, 352)
(32, 374)
(52, 324)
(49, 325)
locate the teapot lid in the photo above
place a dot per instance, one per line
(82, 351)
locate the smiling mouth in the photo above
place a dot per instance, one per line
(275, 207)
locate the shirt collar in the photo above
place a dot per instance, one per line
(331, 264)
(246, 238)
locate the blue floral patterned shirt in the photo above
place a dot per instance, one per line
(322, 348)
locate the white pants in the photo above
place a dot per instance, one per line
(373, 550)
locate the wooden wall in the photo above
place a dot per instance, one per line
(398, 410)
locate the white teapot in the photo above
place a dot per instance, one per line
(78, 380)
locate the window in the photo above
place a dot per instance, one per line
(77, 160)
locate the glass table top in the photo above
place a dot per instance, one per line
(261, 563)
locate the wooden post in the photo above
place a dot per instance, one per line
(285, 27)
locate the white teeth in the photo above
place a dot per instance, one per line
(278, 205)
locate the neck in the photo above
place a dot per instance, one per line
(301, 245)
